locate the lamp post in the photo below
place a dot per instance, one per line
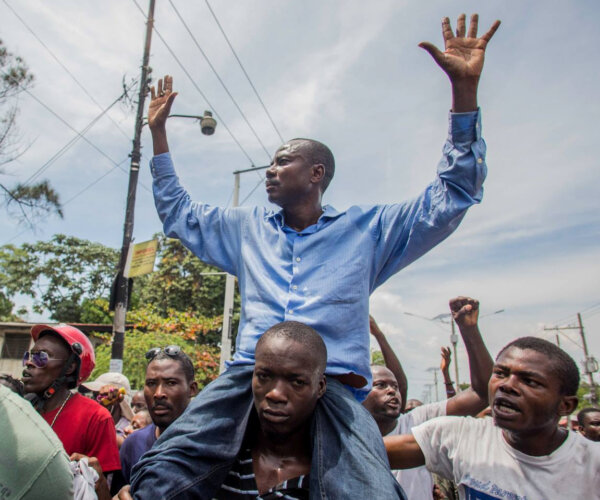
(226, 334)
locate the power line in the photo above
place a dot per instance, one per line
(105, 174)
(55, 57)
(221, 121)
(93, 183)
(72, 141)
(253, 189)
(220, 80)
(67, 123)
(244, 71)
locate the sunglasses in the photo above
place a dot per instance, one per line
(170, 350)
(39, 358)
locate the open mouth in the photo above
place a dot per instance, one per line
(394, 404)
(505, 407)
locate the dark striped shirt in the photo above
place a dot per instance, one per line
(240, 484)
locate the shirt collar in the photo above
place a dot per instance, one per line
(328, 213)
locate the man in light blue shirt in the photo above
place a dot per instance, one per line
(313, 264)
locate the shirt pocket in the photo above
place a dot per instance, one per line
(343, 282)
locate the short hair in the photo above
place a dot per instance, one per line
(14, 384)
(183, 359)
(581, 415)
(565, 368)
(302, 334)
(319, 153)
(146, 415)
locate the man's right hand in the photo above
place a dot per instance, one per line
(161, 100)
(465, 311)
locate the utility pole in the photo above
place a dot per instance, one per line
(121, 284)
(589, 363)
(434, 369)
(454, 341)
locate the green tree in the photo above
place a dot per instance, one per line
(58, 274)
(71, 278)
(377, 358)
(182, 282)
(151, 330)
(26, 201)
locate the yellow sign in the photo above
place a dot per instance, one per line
(141, 259)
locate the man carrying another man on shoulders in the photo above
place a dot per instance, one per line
(311, 263)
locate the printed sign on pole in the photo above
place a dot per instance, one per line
(141, 258)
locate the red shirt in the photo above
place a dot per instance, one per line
(85, 427)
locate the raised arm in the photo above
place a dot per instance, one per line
(462, 59)
(392, 362)
(161, 100)
(445, 369)
(465, 312)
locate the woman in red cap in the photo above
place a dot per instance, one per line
(61, 358)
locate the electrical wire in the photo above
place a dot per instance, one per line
(91, 184)
(50, 110)
(71, 142)
(183, 68)
(244, 71)
(220, 80)
(253, 189)
(63, 66)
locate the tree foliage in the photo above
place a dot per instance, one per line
(150, 330)
(58, 274)
(183, 282)
(71, 277)
(25, 201)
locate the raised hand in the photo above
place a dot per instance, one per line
(465, 311)
(445, 362)
(463, 55)
(161, 100)
(462, 59)
(374, 327)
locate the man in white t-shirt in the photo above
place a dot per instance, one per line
(384, 401)
(522, 454)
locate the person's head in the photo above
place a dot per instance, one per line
(14, 384)
(138, 402)
(299, 167)
(62, 356)
(112, 391)
(140, 420)
(411, 404)
(384, 400)
(533, 384)
(589, 423)
(288, 378)
(169, 384)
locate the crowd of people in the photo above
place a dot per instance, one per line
(300, 412)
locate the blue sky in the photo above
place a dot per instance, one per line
(350, 74)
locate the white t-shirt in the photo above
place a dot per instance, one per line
(417, 483)
(474, 453)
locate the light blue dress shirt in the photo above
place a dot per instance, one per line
(323, 275)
